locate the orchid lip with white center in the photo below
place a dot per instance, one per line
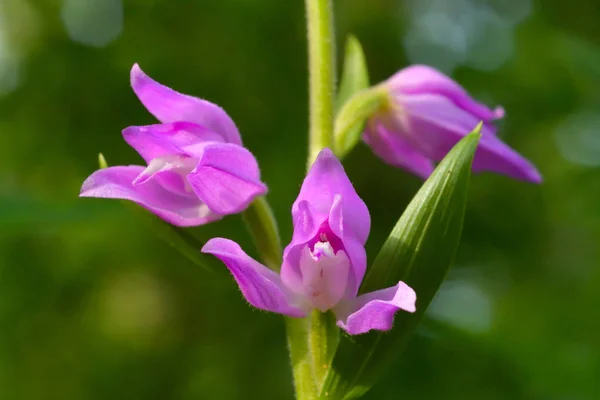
(324, 274)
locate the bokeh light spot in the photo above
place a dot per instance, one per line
(578, 140)
(463, 304)
(135, 306)
(9, 63)
(93, 22)
(491, 41)
(449, 33)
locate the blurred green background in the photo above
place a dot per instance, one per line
(94, 306)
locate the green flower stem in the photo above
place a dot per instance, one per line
(312, 340)
(321, 67)
(300, 357)
(262, 225)
(323, 338)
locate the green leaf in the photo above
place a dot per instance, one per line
(419, 251)
(354, 103)
(175, 236)
(355, 76)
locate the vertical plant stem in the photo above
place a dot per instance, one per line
(323, 338)
(310, 340)
(321, 68)
(300, 357)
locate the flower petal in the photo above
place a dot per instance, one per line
(396, 150)
(436, 124)
(422, 79)
(167, 105)
(327, 198)
(326, 179)
(495, 155)
(305, 228)
(375, 310)
(354, 247)
(178, 165)
(226, 178)
(260, 286)
(177, 138)
(324, 275)
(116, 183)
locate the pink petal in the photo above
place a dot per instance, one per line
(324, 276)
(436, 124)
(326, 179)
(116, 183)
(358, 256)
(328, 197)
(375, 310)
(421, 79)
(227, 178)
(181, 138)
(396, 150)
(167, 105)
(305, 229)
(354, 247)
(176, 165)
(260, 286)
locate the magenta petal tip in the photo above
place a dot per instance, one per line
(376, 310)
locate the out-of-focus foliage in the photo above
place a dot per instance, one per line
(93, 306)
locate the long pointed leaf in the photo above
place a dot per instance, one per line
(351, 111)
(355, 75)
